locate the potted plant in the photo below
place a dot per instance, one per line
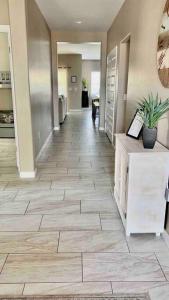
(151, 109)
(84, 84)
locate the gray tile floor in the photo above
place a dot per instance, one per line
(61, 232)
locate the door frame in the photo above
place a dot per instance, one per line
(122, 84)
(6, 29)
(115, 49)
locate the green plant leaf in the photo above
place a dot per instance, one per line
(151, 109)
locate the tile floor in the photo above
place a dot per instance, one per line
(61, 232)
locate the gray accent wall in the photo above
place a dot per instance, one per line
(39, 58)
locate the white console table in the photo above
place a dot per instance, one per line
(141, 177)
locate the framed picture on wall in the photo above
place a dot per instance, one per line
(135, 127)
(73, 79)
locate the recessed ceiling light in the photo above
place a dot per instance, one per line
(78, 22)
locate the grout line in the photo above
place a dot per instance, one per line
(4, 263)
(80, 207)
(82, 265)
(111, 287)
(100, 222)
(23, 289)
(40, 224)
(64, 195)
(27, 208)
(161, 267)
(17, 192)
(127, 244)
(6, 185)
(58, 242)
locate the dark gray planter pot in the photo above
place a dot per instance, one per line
(149, 137)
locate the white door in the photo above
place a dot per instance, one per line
(111, 94)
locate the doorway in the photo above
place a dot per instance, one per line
(123, 72)
(111, 96)
(8, 133)
(79, 69)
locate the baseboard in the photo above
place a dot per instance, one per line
(28, 174)
(56, 128)
(101, 128)
(44, 145)
(75, 110)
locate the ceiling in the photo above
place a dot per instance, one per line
(94, 15)
(89, 51)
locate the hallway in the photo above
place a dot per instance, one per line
(62, 233)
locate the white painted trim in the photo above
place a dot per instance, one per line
(44, 146)
(28, 174)
(56, 128)
(101, 129)
(6, 29)
(75, 110)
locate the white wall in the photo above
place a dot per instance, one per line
(89, 66)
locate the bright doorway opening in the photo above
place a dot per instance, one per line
(79, 73)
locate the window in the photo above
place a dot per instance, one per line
(95, 84)
(62, 82)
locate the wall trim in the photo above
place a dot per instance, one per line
(56, 128)
(101, 129)
(28, 174)
(75, 110)
(44, 146)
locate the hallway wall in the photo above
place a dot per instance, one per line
(74, 64)
(31, 53)
(21, 82)
(142, 19)
(39, 57)
(4, 12)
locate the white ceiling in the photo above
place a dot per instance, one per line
(96, 15)
(87, 50)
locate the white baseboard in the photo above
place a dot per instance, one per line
(44, 145)
(28, 174)
(56, 128)
(75, 110)
(101, 128)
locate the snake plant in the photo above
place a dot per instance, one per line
(151, 109)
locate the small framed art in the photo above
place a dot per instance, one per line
(135, 127)
(73, 79)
